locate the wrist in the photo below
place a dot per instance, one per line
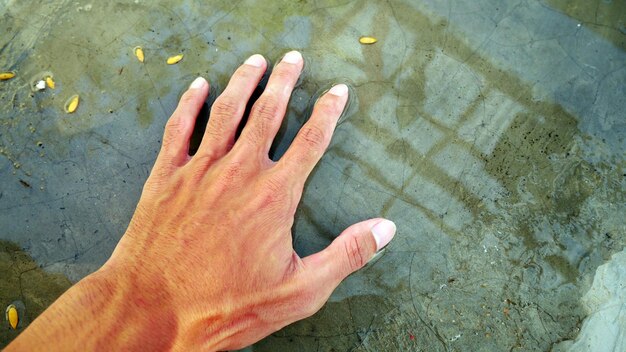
(135, 313)
(102, 312)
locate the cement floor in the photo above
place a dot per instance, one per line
(492, 133)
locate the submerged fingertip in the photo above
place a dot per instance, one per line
(198, 83)
(256, 60)
(293, 57)
(383, 232)
(339, 90)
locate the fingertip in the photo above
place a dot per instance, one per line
(383, 233)
(339, 90)
(199, 83)
(256, 60)
(293, 57)
(334, 100)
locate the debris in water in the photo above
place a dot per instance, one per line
(72, 104)
(6, 75)
(139, 53)
(367, 40)
(174, 59)
(12, 316)
(50, 82)
(40, 85)
(39, 81)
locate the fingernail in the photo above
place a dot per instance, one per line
(198, 83)
(292, 57)
(383, 233)
(255, 60)
(339, 90)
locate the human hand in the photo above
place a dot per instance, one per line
(207, 260)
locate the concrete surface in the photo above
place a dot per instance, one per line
(491, 132)
(604, 329)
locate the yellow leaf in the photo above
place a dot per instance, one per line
(72, 104)
(12, 316)
(139, 53)
(50, 82)
(174, 59)
(367, 40)
(6, 75)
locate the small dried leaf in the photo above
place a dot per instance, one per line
(72, 104)
(12, 316)
(50, 82)
(174, 59)
(367, 40)
(6, 75)
(139, 53)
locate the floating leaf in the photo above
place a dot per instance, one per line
(367, 40)
(139, 53)
(174, 59)
(12, 316)
(6, 75)
(72, 104)
(50, 82)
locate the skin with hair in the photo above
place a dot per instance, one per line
(207, 262)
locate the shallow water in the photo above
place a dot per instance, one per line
(491, 132)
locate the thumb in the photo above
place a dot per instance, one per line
(349, 252)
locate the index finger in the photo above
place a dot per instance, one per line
(314, 137)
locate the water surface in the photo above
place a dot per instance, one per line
(491, 132)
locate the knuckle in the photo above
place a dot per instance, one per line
(188, 98)
(275, 184)
(273, 195)
(173, 125)
(266, 108)
(356, 253)
(328, 107)
(313, 136)
(285, 73)
(225, 106)
(199, 165)
(159, 176)
(245, 73)
(173, 128)
(232, 172)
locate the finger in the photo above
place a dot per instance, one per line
(313, 138)
(348, 253)
(268, 111)
(178, 130)
(229, 107)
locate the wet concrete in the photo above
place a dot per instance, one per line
(26, 285)
(491, 132)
